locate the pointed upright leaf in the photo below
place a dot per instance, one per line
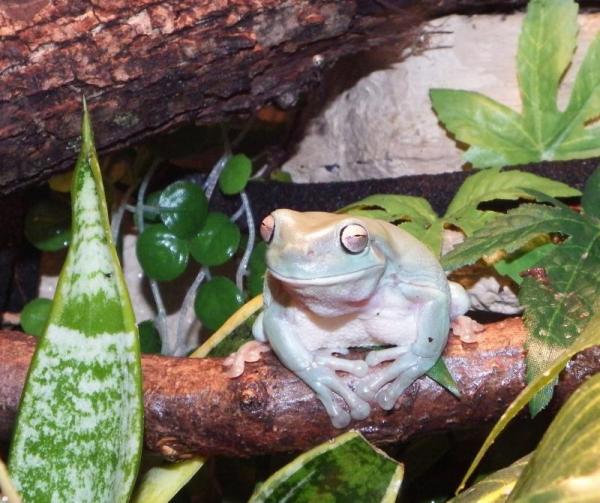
(546, 45)
(78, 435)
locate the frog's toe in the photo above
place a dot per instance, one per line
(359, 368)
(366, 390)
(360, 410)
(386, 399)
(381, 355)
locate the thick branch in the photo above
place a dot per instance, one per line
(192, 407)
(150, 65)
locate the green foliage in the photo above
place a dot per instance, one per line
(257, 267)
(235, 175)
(217, 241)
(161, 483)
(149, 338)
(589, 337)
(496, 487)
(152, 201)
(415, 215)
(78, 435)
(345, 469)
(500, 136)
(565, 466)
(216, 300)
(162, 255)
(560, 303)
(34, 316)
(183, 208)
(48, 225)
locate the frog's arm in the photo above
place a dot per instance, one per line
(317, 374)
(433, 321)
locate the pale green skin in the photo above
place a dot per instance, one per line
(320, 299)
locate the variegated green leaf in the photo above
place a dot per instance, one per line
(588, 338)
(347, 468)
(496, 487)
(79, 431)
(565, 467)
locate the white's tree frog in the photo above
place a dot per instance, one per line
(338, 281)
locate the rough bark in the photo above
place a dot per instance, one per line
(192, 407)
(149, 65)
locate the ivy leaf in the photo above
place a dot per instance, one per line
(513, 230)
(565, 466)
(495, 132)
(557, 305)
(347, 468)
(499, 136)
(493, 184)
(78, 435)
(415, 215)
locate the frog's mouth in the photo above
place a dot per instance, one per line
(327, 280)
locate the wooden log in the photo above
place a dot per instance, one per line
(147, 66)
(192, 407)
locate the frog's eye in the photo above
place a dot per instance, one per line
(354, 238)
(267, 228)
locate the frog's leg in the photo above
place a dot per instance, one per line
(433, 320)
(320, 377)
(383, 355)
(325, 357)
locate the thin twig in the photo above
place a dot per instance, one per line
(115, 225)
(180, 347)
(243, 266)
(160, 320)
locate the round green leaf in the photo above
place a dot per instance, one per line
(149, 338)
(235, 175)
(217, 242)
(48, 225)
(34, 316)
(257, 268)
(152, 200)
(217, 300)
(162, 255)
(183, 208)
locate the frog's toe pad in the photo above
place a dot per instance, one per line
(386, 399)
(360, 411)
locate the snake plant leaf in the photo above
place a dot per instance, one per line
(496, 487)
(590, 336)
(347, 468)
(565, 466)
(78, 436)
(500, 136)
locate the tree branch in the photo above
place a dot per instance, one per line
(147, 66)
(192, 407)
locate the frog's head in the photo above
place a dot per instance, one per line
(327, 256)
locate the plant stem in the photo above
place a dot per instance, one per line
(243, 266)
(115, 225)
(180, 346)
(160, 320)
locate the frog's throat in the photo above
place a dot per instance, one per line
(327, 280)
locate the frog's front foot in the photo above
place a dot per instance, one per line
(400, 375)
(324, 357)
(325, 384)
(247, 352)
